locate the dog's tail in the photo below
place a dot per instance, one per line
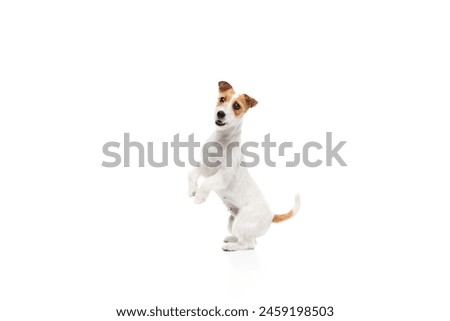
(277, 218)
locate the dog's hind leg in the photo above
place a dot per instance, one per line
(231, 238)
(230, 223)
(250, 223)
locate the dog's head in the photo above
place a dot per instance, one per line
(231, 106)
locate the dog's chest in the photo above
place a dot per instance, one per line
(224, 152)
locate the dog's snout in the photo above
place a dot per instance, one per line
(220, 114)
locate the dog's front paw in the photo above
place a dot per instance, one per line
(200, 196)
(192, 191)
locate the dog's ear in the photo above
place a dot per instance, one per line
(224, 86)
(251, 102)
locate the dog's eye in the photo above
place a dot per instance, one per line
(222, 99)
(236, 106)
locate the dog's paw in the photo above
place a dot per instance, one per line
(192, 192)
(200, 197)
(230, 239)
(228, 247)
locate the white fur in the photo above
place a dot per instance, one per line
(250, 215)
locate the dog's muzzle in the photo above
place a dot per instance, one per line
(220, 116)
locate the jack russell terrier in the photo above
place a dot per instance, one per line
(250, 215)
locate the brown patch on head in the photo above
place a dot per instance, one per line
(242, 104)
(226, 92)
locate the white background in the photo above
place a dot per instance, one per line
(79, 240)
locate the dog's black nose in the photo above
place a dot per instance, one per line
(220, 114)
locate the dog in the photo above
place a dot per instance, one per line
(250, 215)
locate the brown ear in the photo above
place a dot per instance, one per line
(251, 102)
(224, 86)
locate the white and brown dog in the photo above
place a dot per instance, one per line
(250, 215)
